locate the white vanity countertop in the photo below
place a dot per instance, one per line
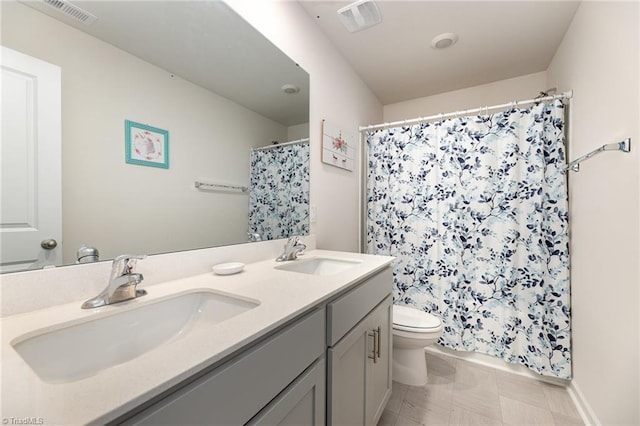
(103, 397)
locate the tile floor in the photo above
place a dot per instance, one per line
(464, 393)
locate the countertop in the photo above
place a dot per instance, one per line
(283, 295)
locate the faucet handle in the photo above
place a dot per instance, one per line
(292, 241)
(254, 236)
(126, 263)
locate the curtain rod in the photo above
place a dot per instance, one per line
(262, 148)
(624, 146)
(568, 95)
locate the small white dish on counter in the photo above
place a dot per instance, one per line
(228, 268)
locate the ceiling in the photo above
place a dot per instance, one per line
(204, 42)
(497, 40)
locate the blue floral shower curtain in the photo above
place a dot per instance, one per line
(476, 211)
(279, 191)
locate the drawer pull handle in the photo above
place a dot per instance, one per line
(376, 344)
(373, 353)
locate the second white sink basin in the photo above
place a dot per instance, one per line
(67, 353)
(319, 265)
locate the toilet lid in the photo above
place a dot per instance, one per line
(407, 318)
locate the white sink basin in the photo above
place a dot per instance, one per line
(319, 265)
(65, 353)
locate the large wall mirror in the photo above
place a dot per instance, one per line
(229, 100)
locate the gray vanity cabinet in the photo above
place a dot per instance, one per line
(284, 374)
(329, 366)
(359, 361)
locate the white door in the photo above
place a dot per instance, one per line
(30, 149)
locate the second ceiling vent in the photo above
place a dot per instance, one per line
(71, 10)
(360, 15)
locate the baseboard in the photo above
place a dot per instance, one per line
(584, 409)
(586, 412)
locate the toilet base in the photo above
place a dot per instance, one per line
(410, 366)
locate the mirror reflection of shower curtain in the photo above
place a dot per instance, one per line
(279, 191)
(475, 210)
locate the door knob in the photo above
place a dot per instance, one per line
(49, 244)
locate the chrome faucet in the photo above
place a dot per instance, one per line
(292, 249)
(254, 237)
(122, 283)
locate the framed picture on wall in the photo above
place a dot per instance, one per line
(338, 147)
(146, 145)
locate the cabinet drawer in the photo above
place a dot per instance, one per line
(345, 312)
(233, 393)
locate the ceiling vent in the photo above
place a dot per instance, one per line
(359, 15)
(71, 11)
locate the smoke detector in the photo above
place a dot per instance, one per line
(444, 40)
(359, 15)
(290, 89)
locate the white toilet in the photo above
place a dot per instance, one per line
(412, 331)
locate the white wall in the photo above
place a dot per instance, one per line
(300, 131)
(496, 93)
(598, 59)
(337, 95)
(123, 207)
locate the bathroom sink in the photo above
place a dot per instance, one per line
(319, 265)
(70, 352)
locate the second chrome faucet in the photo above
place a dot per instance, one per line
(292, 249)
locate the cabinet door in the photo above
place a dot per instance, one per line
(346, 378)
(379, 372)
(302, 403)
